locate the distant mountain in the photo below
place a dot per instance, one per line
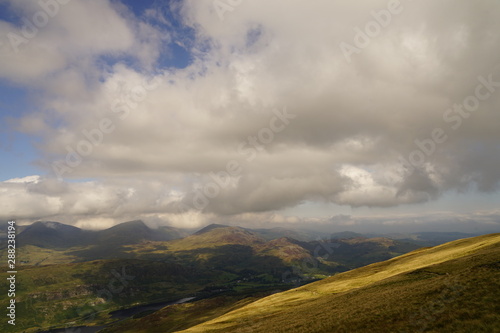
(436, 238)
(171, 233)
(345, 235)
(286, 249)
(217, 242)
(275, 233)
(131, 232)
(217, 235)
(50, 234)
(237, 251)
(210, 227)
(218, 245)
(353, 252)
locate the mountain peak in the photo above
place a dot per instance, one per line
(50, 234)
(135, 224)
(210, 227)
(52, 225)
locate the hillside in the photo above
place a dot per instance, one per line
(359, 251)
(55, 235)
(48, 234)
(278, 232)
(217, 235)
(453, 287)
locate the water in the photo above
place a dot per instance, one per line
(120, 315)
(130, 312)
(77, 329)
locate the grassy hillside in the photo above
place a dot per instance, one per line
(216, 235)
(454, 287)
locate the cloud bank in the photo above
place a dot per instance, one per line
(271, 111)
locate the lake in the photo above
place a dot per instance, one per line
(120, 315)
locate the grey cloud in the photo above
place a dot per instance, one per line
(353, 120)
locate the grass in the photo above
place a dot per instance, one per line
(34, 255)
(453, 287)
(52, 295)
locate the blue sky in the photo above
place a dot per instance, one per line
(184, 112)
(17, 149)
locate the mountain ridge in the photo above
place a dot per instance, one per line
(50, 234)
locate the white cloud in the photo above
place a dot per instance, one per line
(353, 121)
(70, 36)
(28, 179)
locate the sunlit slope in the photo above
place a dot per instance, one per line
(214, 236)
(452, 287)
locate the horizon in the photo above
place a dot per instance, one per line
(324, 230)
(380, 116)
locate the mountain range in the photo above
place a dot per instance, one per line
(448, 288)
(134, 239)
(62, 267)
(50, 234)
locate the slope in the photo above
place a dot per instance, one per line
(48, 234)
(216, 235)
(451, 287)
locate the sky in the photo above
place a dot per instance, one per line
(366, 116)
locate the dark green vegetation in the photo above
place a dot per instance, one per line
(84, 293)
(174, 318)
(71, 277)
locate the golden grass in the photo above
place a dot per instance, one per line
(271, 308)
(34, 255)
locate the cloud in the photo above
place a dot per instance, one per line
(24, 180)
(55, 36)
(97, 205)
(353, 140)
